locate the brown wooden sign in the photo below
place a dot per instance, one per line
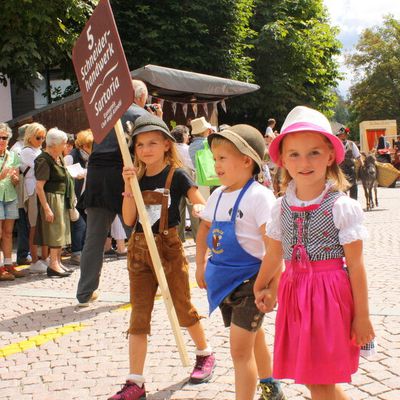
(102, 71)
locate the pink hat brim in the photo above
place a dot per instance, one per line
(337, 144)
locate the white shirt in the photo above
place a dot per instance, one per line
(28, 156)
(347, 215)
(354, 148)
(68, 160)
(17, 147)
(183, 150)
(254, 211)
(269, 132)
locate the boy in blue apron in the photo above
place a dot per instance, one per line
(230, 247)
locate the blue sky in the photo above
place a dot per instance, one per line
(352, 17)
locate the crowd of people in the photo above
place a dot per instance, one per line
(40, 194)
(278, 229)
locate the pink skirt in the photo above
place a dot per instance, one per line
(313, 325)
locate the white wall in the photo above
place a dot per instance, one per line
(5, 103)
(40, 88)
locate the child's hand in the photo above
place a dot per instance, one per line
(128, 173)
(197, 209)
(362, 331)
(265, 299)
(200, 278)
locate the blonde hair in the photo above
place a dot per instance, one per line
(333, 174)
(221, 141)
(83, 138)
(33, 129)
(171, 157)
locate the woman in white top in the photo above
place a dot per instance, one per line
(35, 135)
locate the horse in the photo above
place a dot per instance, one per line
(368, 175)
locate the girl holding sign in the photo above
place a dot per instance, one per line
(163, 183)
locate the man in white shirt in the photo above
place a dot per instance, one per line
(348, 166)
(270, 128)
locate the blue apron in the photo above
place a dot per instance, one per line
(229, 264)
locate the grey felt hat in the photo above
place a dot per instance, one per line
(248, 140)
(147, 123)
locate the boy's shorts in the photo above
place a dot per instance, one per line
(240, 309)
(143, 281)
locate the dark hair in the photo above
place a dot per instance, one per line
(70, 139)
(381, 143)
(271, 121)
(179, 131)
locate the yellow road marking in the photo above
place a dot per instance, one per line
(40, 339)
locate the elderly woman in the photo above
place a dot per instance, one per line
(54, 187)
(9, 177)
(35, 135)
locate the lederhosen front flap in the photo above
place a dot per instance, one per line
(151, 197)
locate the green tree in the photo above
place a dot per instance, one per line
(199, 36)
(39, 34)
(341, 109)
(376, 63)
(294, 59)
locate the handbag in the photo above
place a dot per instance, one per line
(205, 169)
(73, 214)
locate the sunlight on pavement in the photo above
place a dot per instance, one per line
(38, 340)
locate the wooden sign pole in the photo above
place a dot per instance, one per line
(148, 233)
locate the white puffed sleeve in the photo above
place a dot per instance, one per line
(274, 228)
(348, 217)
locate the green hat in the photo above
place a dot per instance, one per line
(147, 123)
(248, 140)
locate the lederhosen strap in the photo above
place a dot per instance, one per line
(152, 197)
(163, 226)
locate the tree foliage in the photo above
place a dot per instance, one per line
(286, 46)
(376, 62)
(38, 34)
(294, 58)
(200, 36)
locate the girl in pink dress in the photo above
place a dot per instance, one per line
(323, 317)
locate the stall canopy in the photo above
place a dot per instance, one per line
(179, 86)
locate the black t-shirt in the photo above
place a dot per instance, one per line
(181, 183)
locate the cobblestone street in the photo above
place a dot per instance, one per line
(50, 350)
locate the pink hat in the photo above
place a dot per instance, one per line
(304, 119)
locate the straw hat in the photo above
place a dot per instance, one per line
(248, 140)
(199, 125)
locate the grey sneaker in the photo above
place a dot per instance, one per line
(38, 267)
(271, 391)
(75, 259)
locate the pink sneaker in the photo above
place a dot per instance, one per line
(203, 370)
(130, 391)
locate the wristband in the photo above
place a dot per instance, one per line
(127, 194)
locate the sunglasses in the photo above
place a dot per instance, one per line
(40, 138)
(4, 138)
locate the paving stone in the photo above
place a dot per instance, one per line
(92, 363)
